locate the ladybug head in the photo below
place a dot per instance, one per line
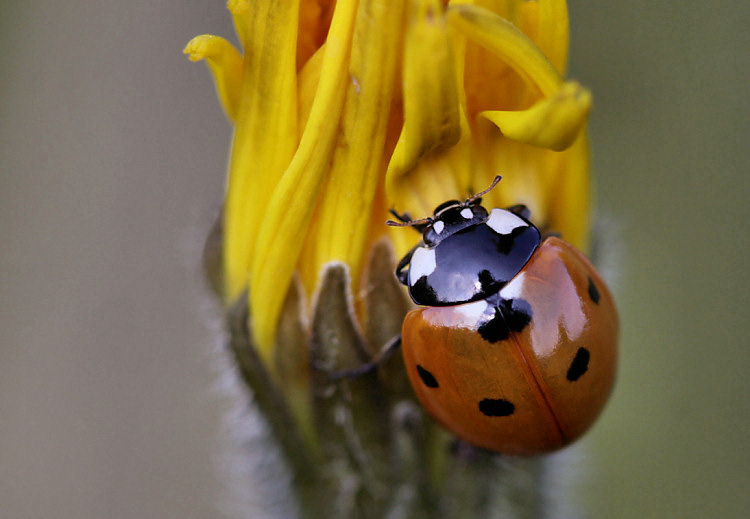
(449, 217)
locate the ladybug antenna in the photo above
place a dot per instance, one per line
(479, 195)
(404, 220)
(410, 223)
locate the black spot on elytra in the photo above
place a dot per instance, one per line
(508, 315)
(517, 313)
(593, 291)
(496, 407)
(428, 379)
(580, 364)
(494, 330)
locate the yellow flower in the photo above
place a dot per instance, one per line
(345, 109)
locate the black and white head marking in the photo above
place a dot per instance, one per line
(468, 254)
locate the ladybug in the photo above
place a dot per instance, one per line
(514, 348)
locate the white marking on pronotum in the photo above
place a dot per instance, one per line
(503, 222)
(422, 264)
(438, 226)
(467, 213)
(472, 311)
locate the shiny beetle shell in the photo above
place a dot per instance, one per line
(526, 369)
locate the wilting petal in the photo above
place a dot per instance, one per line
(225, 63)
(286, 219)
(552, 123)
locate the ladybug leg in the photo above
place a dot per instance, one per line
(401, 217)
(368, 367)
(520, 210)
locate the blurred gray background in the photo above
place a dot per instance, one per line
(112, 154)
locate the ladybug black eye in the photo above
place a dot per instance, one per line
(496, 407)
(580, 364)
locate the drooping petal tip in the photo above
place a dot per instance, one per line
(225, 63)
(552, 123)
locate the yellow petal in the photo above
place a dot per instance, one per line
(225, 63)
(314, 22)
(553, 36)
(343, 218)
(307, 84)
(240, 10)
(265, 134)
(508, 43)
(431, 108)
(287, 216)
(569, 199)
(553, 123)
(526, 171)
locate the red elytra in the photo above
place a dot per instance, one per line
(539, 389)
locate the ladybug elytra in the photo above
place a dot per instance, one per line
(515, 346)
